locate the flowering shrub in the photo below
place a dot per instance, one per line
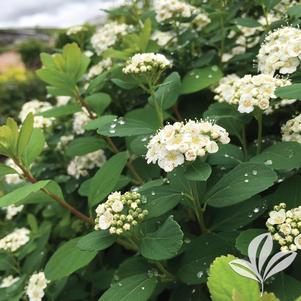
(168, 140)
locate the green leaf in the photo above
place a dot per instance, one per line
(60, 111)
(281, 156)
(16, 196)
(168, 92)
(294, 11)
(25, 134)
(228, 117)
(134, 288)
(97, 83)
(6, 170)
(164, 243)
(285, 287)
(99, 102)
(96, 241)
(223, 281)
(228, 155)
(84, 145)
(126, 127)
(67, 259)
(244, 238)
(289, 92)
(200, 253)
(106, 178)
(241, 183)
(237, 216)
(292, 199)
(159, 200)
(34, 147)
(198, 171)
(99, 122)
(246, 22)
(199, 79)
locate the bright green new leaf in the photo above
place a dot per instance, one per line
(25, 134)
(67, 259)
(134, 288)
(241, 183)
(223, 281)
(199, 79)
(96, 241)
(281, 156)
(6, 170)
(106, 178)
(164, 243)
(16, 196)
(61, 111)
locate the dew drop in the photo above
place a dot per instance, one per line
(245, 174)
(250, 215)
(199, 274)
(256, 210)
(121, 122)
(226, 156)
(143, 288)
(246, 180)
(254, 172)
(268, 162)
(112, 131)
(119, 284)
(210, 76)
(214, 68)
(197, 76)
(187, 241)
(153, 193)
(113, 126)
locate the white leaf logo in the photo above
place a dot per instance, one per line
(258, 267)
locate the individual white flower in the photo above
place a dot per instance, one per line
(167, 9)
(79, 121)
(146, 62)
(291, 131)
(174, 144)
(286, 229)
(297, 241)
(277, 217)
(281, 51)
(35, 106)
(36, 286)
(13, 241)
(107, 35)
(99, 68)
(226, 89)
(117, 206)
(63, 142)
(200, 21)
(163, 37)
(80, 165)
(13, 179)
(8, 281)
(12, 211)
(105, 220)
(62, 100)
(246, 103)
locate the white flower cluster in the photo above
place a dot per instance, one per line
(120, 212)
(8, 281)
(200, 21)
(63, 142)
(80, 119)
(62, 100)
(249, 92)
(167, 9)
(108, 35)
(13, 241)
(36, 286)
(35, 106)
(174, 144)
(12, 211)
(285, 225)
(13, 179)
(163, 37)
(146, 62)
(99, 68)
(80, 165)
(75, 30)
(291, 131)
(281, 51)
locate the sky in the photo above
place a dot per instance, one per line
(50, 13)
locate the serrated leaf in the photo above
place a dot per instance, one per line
(163, 243)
